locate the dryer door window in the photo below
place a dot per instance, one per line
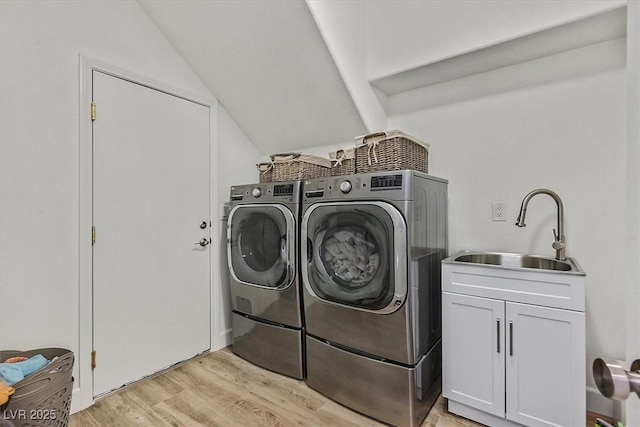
(356, 255)
(261, 245)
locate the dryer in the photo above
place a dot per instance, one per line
(371, 290)
(262, 254)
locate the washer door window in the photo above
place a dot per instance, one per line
(261, 245)
(356, 255)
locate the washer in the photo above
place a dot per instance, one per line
(371, 290)
(262, 253)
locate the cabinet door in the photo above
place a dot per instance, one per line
(545, 365)
(473, 352)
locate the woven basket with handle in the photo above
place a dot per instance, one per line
(265, 172)
(390, 150)
(295, 166)
(343, 162)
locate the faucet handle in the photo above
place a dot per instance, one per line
(557, 242)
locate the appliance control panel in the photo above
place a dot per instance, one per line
(386, 181)
(354, 186)
(266, 192)
(283, 189)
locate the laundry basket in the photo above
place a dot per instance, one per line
(390, 150)
(295, 166)
(42, 399)
(343, 162)
(265, 172)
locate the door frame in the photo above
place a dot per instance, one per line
(83, 384)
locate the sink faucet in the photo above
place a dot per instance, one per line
(559, 238)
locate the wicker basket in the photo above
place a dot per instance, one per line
(42, 399)
(391, 150)
(343, 162)
(295, 166)
(265, 172)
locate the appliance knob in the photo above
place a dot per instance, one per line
(256, 192)
(345, 186)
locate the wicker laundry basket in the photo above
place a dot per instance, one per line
(42, 399)
(390, 150)
(265, 172)
(343, 162)
(295, 166)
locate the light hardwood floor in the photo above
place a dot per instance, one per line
(222, 389)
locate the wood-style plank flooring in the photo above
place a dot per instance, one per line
(222, 389)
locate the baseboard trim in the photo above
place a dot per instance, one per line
(224, 339)
(599, 404)
(76, 405)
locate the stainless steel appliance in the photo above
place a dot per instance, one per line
(371, 290)
(262, 251)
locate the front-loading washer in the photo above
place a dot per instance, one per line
(262, 255)
(371, 290)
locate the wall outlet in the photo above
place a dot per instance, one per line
(499, 211)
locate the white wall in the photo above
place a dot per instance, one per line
(343, 27)
(40, 43)
(405, 34)
(568, 137)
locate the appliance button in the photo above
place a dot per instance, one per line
(345, 186)
(256, 192)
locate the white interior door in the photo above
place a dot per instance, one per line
(151, 284)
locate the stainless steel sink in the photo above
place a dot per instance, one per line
(517, 261)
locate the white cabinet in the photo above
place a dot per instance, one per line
(511, 363)
(473, 352)
(545, 365)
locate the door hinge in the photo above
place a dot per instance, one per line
(93, 359)
(93, 235)
(93, 111)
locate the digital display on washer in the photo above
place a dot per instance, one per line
(283, 190)
(386, 181)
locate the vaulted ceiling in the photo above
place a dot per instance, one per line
(295, 74)
(267, 64)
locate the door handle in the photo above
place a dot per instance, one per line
(498, 335)
(510, 338)
(203, 242)
(309, 251)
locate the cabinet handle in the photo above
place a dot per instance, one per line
(510, 338)
(498, 334)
